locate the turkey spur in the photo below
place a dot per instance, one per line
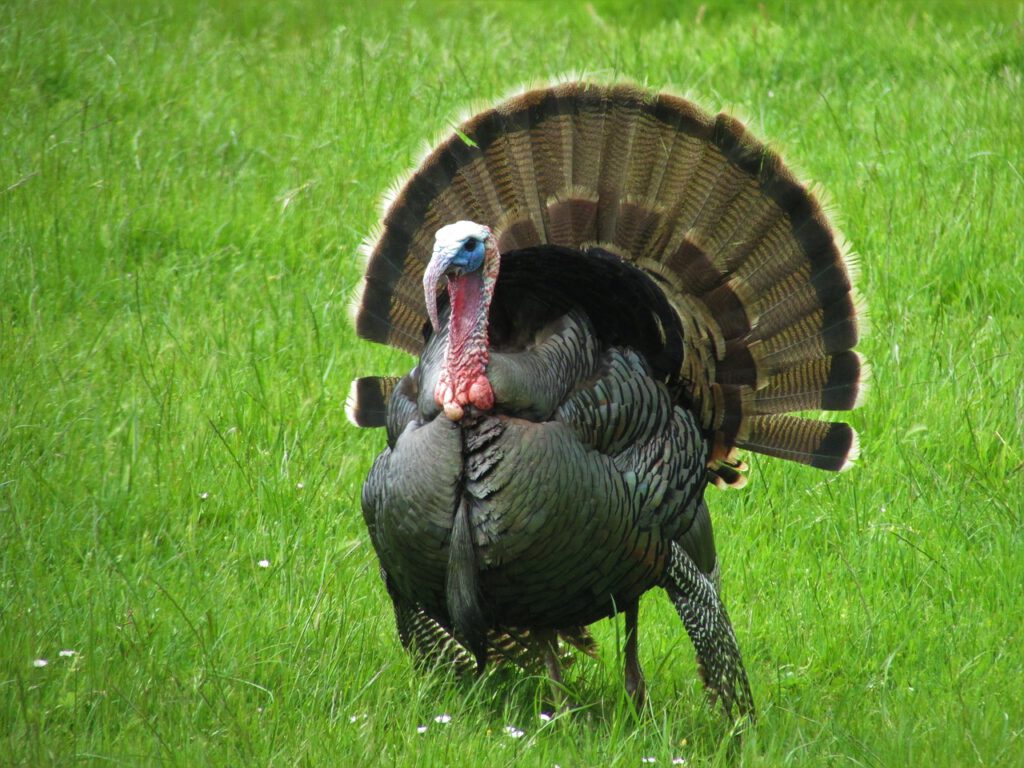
(610, 292)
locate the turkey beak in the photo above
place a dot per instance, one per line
(436, 269)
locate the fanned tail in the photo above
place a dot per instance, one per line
(744, 252)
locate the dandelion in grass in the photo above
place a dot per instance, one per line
(421, 729)
(67, 653)
(263, 563)
(443, 719)
(514, 732)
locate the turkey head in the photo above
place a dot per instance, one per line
(465, 253)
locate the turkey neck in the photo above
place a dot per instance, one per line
(470, 295)
(467, 326)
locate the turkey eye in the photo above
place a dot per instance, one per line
(470, 244)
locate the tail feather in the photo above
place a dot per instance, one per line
(551, 144)
(531, 202)
(617, 159)
(825, 383)
(367, 402)
(651, 141)
(824, 331)
(825, 445)
(745, 253)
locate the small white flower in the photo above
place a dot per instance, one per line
(514, 732)
(446, 718)
(355, 718)
(263, 563)
(67, 652)
(647, 760)
(545, 717)
(678, 761)
(300, 486)
(421, 729)
(40, 663)
(204, 496)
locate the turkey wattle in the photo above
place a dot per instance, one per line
(635, 290)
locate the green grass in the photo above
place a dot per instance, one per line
(182, 190)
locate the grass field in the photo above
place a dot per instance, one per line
(182, 190)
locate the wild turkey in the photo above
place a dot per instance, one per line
(635, 290)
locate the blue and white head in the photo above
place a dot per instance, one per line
(459, 249)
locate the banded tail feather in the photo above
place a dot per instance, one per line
(367, 401)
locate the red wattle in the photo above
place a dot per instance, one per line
(464, 380)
